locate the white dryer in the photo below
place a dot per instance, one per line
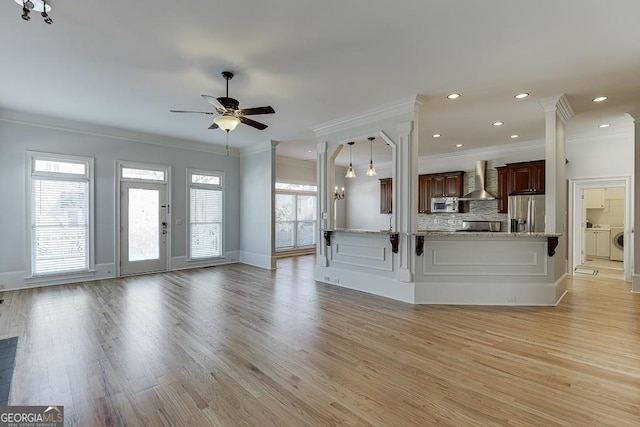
(617, 244)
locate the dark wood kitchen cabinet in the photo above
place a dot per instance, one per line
(386, 195)
(447, 184)
(525, 178)
(424, 193)
(503, 194)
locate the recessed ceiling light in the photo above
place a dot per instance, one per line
(604, 125)
(310, 151)
(453, 96)
(459, 145)
(498, 123)
(514, 136)
(521, 95)
(436, 135)
(600, 99)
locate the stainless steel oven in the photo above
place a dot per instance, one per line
(445, 205)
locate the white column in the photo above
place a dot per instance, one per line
(325, 201)
(635, 237)
(405, 191)
(557, 112)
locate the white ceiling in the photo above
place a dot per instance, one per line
(126, 64)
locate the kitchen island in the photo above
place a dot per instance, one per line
(448, 267)
(496, 268)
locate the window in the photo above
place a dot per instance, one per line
(295, 216)
(205, 214)
(59, 203)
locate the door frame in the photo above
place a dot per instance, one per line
(576, 226)
(120, 164)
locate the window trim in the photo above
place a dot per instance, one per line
(31, 157)
(221, 188)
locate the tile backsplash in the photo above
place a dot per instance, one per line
(477, 210)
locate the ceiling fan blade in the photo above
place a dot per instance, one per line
(258, 110)
(214, 101)
(189, 111)
(253, 123)
(213, 126)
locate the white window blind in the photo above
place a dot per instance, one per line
(59, 223)
(205, 215)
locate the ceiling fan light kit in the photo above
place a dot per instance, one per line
(226, 122)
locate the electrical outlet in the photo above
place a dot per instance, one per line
(1, 286)
(327, 278)
(336, 280)
(512, 299)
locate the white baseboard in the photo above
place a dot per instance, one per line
(181, 263)
(258, 260)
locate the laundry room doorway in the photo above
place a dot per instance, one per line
(599, 227)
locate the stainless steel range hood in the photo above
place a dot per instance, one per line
(480, 192)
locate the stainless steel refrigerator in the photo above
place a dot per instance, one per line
(526, 214)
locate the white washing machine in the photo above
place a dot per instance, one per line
(617, 244)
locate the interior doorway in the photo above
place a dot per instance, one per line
(599, 226)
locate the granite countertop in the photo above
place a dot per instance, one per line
(360, 231)
(480, 234)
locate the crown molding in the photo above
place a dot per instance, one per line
(635, 115)
(559, 104)
(260, 147)
(493, 151)
(595, 137)
(410, 104)
(47, 122)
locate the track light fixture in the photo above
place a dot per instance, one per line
(37, 6)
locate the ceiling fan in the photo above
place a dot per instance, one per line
(228, 113)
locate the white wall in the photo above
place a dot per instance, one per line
(591, 157)
(105, 145)
(362, 201)
(295, 171)
(257, 200)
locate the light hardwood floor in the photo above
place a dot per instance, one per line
(236, 345)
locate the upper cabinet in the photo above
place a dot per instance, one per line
(424, 193)
(594, 198)
(525, 178)
(447, 184)
(386, 195)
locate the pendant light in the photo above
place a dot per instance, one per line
(350, 172)
(371, 171)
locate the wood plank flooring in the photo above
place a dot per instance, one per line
(239, 346)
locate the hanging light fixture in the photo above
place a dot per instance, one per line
(350, 172)
(371, 171)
